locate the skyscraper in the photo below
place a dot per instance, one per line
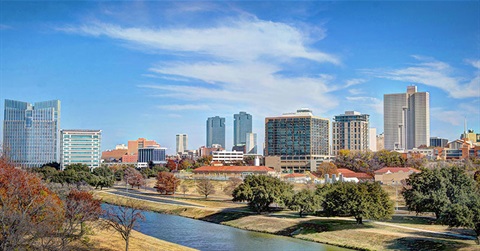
(31, 133)
(80, 146)
(242, 124)
(216, 131)
(251, 145)
(350, 131)
(182, 143)
(406, 119)
(296, 142)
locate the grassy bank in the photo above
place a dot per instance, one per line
(342, 232)
(102, 239)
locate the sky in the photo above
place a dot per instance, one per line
(159, 68)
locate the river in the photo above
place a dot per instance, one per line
(215, 237)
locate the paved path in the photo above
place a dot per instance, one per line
(137, 195)
(424, 230)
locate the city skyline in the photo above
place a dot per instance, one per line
(182, 62)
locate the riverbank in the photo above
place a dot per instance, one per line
(103, 239)
(343, 232)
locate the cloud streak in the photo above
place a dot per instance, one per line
(435, 73)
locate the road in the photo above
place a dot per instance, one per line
(136, 195)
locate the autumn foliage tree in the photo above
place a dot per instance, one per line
(29, 211)
(326, 168)
(134, 177)
(80, 207)
(167, 183)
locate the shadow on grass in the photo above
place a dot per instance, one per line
(411, 219)
(420, 243)
(226, 215)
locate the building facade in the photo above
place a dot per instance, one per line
(350, 131)
(242, 124)
(155, 154)
(438, 142)
(372, 139)
(406, 119)
(251, 144)
(227, 156)
(31, 133)
(216, 131)
(134, 145)
(182, 143)
(296, 142)
(80, 147)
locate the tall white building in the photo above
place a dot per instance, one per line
(406, 119)
(372, 139)
(251, 145)
(80, 147)
(182, 143)
(350, 131)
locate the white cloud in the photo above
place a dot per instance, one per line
(437, 74)
(355, 81)
(474, 63)
(370, 102)
(356, 91)
(454, 118)
(243, 39)
(184, 107)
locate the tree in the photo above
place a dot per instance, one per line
(133, 177)
(260, 191)
(184, 188)
(167, 183)
(449, 192)
(205, 187)
(305, 201)
(172, 165)
(54, 164)
(78, 167)
(327, 168)
(29, 211)
(232, 183)
(124, 218)
(80, 207)
(360, 200)
(106, 177)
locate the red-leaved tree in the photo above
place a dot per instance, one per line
(167, 183)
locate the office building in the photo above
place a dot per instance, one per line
(406, 119)
(438, 142)
(154, 154)
(372, 139)
(31, 133)
(296, 142)
(134, 145)
(251, 143)
(216, 131)
(242, 124)
(80, 147)
(227, 157)
(182, 143)
(350, 131)
(471, 136)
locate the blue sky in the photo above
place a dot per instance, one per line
(155, 69)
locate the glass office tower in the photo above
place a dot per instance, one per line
(31, 133)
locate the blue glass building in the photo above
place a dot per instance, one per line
(216, 131)
(31, 133)
(242, 124)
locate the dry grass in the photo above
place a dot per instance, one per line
(109, 240)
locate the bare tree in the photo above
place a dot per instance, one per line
(205, 187)
(184, 188)
(233, 183)
(124, 218)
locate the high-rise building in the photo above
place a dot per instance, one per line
(31, 133)
(251, 145)
(216, 131)
(350, 131)
(438, 142)
(406, 119)
(182, 143)
(372, 139)
(80, 147)
(134, 145)
(296, 142)
(242, 124)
